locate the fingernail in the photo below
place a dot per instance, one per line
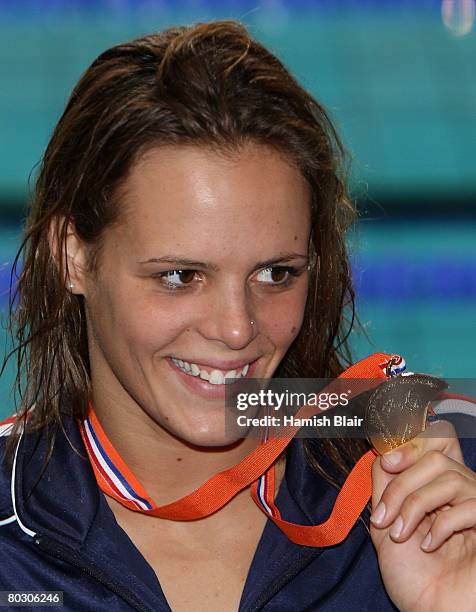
(393, 458)
(378, 514)
(427, 541)
(397, 527)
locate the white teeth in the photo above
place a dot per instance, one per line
(230, 375)
(215, 377)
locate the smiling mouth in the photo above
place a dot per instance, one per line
(214, 376)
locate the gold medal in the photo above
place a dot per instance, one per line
(397, 410)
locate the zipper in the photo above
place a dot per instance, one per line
(281, 582)
(301, 564)
(70, 556)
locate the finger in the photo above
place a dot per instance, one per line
(438, 436)
(450, 488)
(462, 516)
(380, 481)
(400, 486)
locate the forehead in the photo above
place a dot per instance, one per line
(185, 196)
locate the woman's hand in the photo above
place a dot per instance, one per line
(424, 523)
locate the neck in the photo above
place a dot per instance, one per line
(166, 466)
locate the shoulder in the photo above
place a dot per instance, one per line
(455, 403)
(6, 508)
(460, 410)
(6, 426)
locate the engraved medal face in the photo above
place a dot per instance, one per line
(397, 409)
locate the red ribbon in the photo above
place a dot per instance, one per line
(223, 486)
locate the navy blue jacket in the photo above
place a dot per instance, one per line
(64, 537)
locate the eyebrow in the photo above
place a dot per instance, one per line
(181, 261)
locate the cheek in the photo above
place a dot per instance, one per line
(128, 319)
(152, 325)
(283, 318)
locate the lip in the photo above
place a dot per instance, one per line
(225, 366)
(202, 387)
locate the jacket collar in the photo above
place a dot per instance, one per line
(62, 502)
(66, 505)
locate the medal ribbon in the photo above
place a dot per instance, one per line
(256, 469)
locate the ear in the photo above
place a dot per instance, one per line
(69, 253)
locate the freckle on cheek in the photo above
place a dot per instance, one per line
(179, 458)
(295, 237)
(293, 329)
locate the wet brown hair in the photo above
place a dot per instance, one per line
(209, 84)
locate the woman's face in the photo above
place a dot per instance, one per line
(206, 243)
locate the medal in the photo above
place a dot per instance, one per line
(397, 410)
(256, 470)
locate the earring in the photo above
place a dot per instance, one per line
(70, 286)
(252, 322)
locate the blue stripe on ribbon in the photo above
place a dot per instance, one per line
(114, 468)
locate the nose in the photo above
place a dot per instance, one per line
(229, 319)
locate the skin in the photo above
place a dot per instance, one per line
(231, 212)
(234, 212)
(424, 489)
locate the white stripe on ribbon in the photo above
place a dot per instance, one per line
(109, 472)
(261, 494)
(263, 479)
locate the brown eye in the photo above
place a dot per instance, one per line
(276, 275)
(186, 276)
(279, 274)
(177, 279)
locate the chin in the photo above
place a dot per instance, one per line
(208, 437)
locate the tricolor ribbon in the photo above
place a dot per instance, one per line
(256, 469)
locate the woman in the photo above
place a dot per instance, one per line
(188, 227)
